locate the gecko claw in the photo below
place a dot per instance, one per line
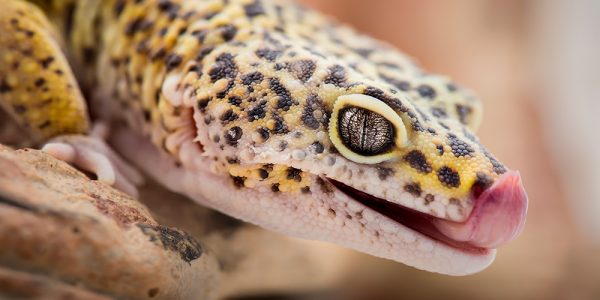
(93, 155)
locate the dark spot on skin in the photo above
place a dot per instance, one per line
(279, 127)
(196, 69)
(498, 167)
(264, 174)
(165, 5)
(303, 70)
(228, 116)
(258, 112)
(235, 101)
(158, 54)
(399, 84)
(28, 33)
(414, 189)
(451, 87)
(210, 15)
(44, 125)
(444, 125)
(46, 62)
(264, 133)
(318, 147)
(163, 31)
(440, 149)
(459, 147)
(448, 177)
(364, 52)
(278, 66)
(132, 27)
(383, 173)
(432, 131)
(268, 54)
(4, 87)
(228, 32)
(27, 52)
(200, 35)
(252, 78)
(204, 52)
(224, 67)
(275, 188)
(238, 181)
(285, 100)
(417, 160)
(172, 61)
(426, 91)
(174, 240)
(314, 103)
(438, 112)
(202, 104)
(282, 145)
(429, 198)
(254, 9)
(19, 109)
(463, 112)
(390, 65)
(305, 190)
(232, 160)
(336, 76)
(294, 174)
(233, 135)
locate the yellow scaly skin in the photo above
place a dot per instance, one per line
(246, 103)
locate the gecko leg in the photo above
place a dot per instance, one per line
(91, 153)
(40, 94)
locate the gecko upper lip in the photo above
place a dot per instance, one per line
(497, 217)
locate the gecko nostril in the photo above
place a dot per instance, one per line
(482, 183)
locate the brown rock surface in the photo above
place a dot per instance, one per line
(56, 225)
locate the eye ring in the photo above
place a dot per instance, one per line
(383, 142)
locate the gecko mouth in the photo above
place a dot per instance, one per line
(497, 217)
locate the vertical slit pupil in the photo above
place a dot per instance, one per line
(365, 132)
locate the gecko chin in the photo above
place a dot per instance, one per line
(497, 217)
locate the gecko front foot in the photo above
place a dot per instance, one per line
(91, 153)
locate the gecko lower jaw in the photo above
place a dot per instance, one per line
(497, 218)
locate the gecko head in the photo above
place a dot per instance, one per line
(323, 149)
(374, 175)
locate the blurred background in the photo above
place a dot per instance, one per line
(535, 66)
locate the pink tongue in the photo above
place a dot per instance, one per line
(497, 218)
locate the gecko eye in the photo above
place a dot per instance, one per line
(366, 130)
